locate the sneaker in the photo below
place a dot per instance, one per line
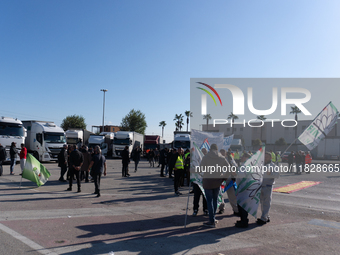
(11, 173)
(221, 211)
(216, 221)
(98, 195)
(195, 213)
(69, 189)
(178, 193)
(79, 190)
(210, 224)
(261, 222)
(206, 212)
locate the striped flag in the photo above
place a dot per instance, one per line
(205, 144)
(35, 171)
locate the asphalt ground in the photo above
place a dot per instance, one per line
(141, 215)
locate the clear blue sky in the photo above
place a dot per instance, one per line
(55, 56)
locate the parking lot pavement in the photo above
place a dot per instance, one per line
(141, 215)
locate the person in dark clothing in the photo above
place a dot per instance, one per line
(172, 162)
(243, 223)
(2, 157)
(98, 165)
(151, 157)
(136, 156)
(62, 162)
(290, 161)
(84, 173)
(125, 161)
(162, 160)
(197, 196)
(13, 151)
(76, 161)
(303, 160)
(298, 162)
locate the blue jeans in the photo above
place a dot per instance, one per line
(12, 164)
(212, 196)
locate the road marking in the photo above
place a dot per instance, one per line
(324, 223)
(26, 241)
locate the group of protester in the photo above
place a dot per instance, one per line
(78, 164)
(212, 185)
(13, 153)
(300, 159)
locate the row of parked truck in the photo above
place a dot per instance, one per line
(44, 139)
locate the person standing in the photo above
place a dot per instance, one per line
(84, 174)
(162, 160)
(76, 161)
(291, 161)
(178, 169)
(13, 153)
(266, 190)
(62, 162)
(308, 161)
(298, 161)
(125, 162)
(172, 161)
(212, 181)
(23, 156)
(2, 157)
(136, 156)
(98, 165)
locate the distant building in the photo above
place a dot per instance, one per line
(107, 128)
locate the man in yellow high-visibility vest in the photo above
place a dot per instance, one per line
(178, 169)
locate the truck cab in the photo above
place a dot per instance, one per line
(182, 140)
(44, 139)
(11, 130)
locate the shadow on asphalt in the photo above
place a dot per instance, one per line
(165, 235)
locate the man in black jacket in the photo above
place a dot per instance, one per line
(125, 161)
(62, 162)
(2, 157)
(76, 161)
(13, 153)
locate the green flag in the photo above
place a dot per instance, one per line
(35, 171)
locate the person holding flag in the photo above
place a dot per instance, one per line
(266, 190)
(212, 181)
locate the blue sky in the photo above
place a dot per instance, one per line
(55, 56)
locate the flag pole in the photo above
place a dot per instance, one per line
(186, 212)
(290, 145)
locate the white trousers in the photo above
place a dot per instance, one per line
(22, 164)
(265, 200)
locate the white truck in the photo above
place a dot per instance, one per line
(77, 136)
(181, 141)
(11, 130)
(104, 141)
(44, 139)
(126, 138)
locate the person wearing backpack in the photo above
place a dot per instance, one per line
(2, 157)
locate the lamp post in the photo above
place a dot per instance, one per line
(104, 90)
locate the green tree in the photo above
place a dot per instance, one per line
(73, 121)
(207, 117)
(263, 118)
(179, 121)
(257, 142)
(134, 121)
(280, 141)
(162, 124)
(189, 115)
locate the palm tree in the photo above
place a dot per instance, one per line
(263, 118)
(207, 117)
(162, 124)
(232, 117)
(189, 115)
(179, 121)
(296, 111)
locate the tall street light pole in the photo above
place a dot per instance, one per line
(104, 90)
